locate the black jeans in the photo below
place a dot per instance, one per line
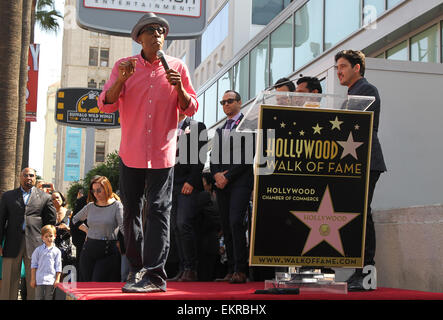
(183, 220)
(370, 242)
(147, 195)
(100, 261)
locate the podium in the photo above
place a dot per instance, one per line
(310, 187)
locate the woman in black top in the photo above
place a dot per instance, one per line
(63, 237)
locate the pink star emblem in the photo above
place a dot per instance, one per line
(349, 146)
(324, 224)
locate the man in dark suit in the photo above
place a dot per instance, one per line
(23, 212)
(191, 158)
(350, 71)
(231, 166)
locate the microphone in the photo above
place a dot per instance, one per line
(161, 56)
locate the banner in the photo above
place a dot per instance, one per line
(73, 148)
(32, 84)
(78, 107)
(311, 191)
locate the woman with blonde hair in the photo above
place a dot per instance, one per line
(100, 257)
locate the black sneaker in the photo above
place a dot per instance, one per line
(133, 278)
(145, 286)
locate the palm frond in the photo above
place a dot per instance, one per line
(46, 15)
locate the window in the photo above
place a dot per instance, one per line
(263, 11)
(241, 78)
(393, 3)
(281, 51)
(198, 116)
(104, 57)
(424, 46)
(100, 151)
(342, 17)
(93, 56)
(259, 75)
(215, 33)
(224, 83)
(399, 52)
(211, 105)
(372, 9)
(102, 84)
(308, 33)
(92, 84)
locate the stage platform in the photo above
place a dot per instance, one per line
(225, 291)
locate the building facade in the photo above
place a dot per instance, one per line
(263, 41)
(50, 146)
(87, 61)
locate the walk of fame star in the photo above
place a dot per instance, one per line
(325, 224)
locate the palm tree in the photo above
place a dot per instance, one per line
(43, 13)
(14, 39)
(26, 34)
(10, 48)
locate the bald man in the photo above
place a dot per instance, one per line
(23, 212)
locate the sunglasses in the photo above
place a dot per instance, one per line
(31, 175)
(228, 101)
(151, 30)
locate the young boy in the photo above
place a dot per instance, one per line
(46, 265)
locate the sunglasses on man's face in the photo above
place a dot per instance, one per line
(151, 30)
(228, 101)
(31, 175)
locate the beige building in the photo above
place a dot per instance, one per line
(87, 61)
(50, 148)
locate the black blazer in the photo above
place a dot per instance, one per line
(363, 88)
(240, 173)
(190, 170)
(38, 212)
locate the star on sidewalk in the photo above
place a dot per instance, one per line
(325, 224)
(349, 146)
(282, 125)
(336, 124)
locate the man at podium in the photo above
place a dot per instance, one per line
(350, 71)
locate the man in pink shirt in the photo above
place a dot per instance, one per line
(148, 98)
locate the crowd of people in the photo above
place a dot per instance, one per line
(169, 218)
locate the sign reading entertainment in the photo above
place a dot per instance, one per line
(190, 8)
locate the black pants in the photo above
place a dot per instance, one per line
(370, 242)
(183, 220)
(148, 192)
(100, 261)
(233, 203)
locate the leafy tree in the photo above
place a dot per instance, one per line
(109, 169)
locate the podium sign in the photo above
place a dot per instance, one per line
(311, 187)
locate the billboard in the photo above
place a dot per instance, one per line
(78, 107)
(73, 151)
(32, 84)
(187, 18)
